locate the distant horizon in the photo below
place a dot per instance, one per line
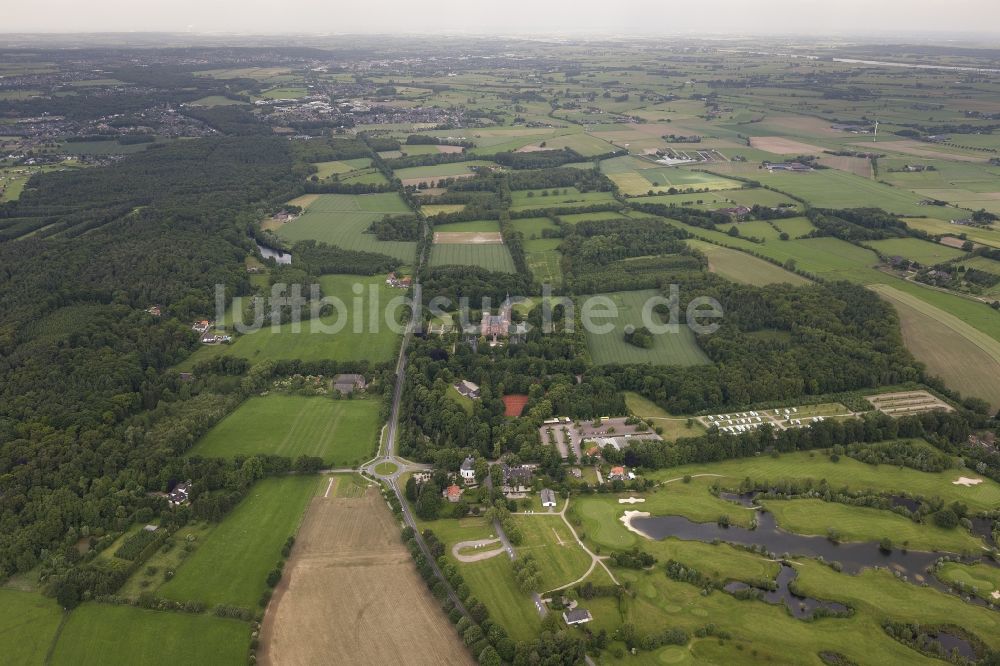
(960, 18)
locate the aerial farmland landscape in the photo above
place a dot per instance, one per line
(527, 335)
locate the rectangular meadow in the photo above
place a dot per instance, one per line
(231, 566)
(102, 634)
(341, 432)
(343, 220)
(492, 257)
(678, 348)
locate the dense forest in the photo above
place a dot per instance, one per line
(85, 417)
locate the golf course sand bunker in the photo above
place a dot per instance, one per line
(627, 518)
(966, 481)
(630, 500)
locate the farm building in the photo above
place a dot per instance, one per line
(348, 383)
(548, 497)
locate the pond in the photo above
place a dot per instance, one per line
(853, 557)
(800, 607)
(279, 256)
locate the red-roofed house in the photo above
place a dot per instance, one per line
(617, 473)
(453, 493)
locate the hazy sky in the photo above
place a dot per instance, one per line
(504, 16)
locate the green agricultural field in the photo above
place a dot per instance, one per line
(838, 189)
(28, 623)
(585, 144)
(857, 523)
(341, 432)
(344, 219)
(231, 566)
(966, 358)
(102, 634)
(284, 93)
(742, 267)
(990, 236)
(560, 559)
(217, 100)
(576, 218)
(492, 582)
(326, 169)
(673, 427)
(566, 197)
(431, 210)
(356, 340)
(544, 259)
(491, 257)
(914, 249)
(440, 170)
(678, 348)
(532, 227)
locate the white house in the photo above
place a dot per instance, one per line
(468, 470)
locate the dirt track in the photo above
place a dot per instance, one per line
(352, 595)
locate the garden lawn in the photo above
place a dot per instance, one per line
(341, 432)
(231, 566)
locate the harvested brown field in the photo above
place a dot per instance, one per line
(779, 145)
(859, 166)
(468, 238)
(351, 595)
(304, 201)
(954, 241)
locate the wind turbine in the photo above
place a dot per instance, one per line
(875, 137)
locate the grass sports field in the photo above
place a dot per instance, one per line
(742, 267)
(356, 340)
(343, 219)
(966, 358)
(103, 634)
(28, 623)
(677, 348)
(341, 432)
(492, 257)
(231, 566)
